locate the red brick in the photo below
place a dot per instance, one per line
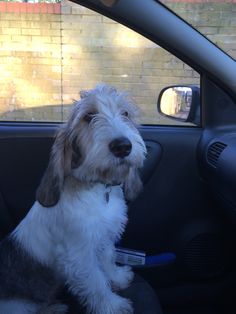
(10, 6)
(30, 8)
(16, 7)
(57, 8)
(43, 7)
(50, 8)
(23, 8)
(37, 7)
(3, 6)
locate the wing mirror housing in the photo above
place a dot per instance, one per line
(180, 103)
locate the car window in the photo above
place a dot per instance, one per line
(216, 19)
(51, 51)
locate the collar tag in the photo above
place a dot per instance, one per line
(107, 193)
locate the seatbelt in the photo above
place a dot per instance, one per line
(139, 259)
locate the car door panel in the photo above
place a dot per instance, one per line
(168, 195)
(172, 197)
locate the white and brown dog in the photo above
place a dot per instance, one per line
(68, 236)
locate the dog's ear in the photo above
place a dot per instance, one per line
(76, 155)
(63, 158)
(48, 192)
(133, 184)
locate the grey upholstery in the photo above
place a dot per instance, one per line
(144, 298)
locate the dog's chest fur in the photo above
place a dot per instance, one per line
(88, 215)
(95, 214)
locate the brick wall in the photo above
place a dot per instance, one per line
(46, 59)
(214, 18)
(30, 58)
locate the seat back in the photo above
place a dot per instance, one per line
(6, 221)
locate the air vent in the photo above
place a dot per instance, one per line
(214, 152)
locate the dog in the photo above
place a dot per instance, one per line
(68, 237)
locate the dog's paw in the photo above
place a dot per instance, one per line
(122, 277)
(122, 306)
(115, 305)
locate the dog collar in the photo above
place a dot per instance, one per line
(108, 187)
(108, 190)
(107, 193)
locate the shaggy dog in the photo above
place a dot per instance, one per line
(68, 236)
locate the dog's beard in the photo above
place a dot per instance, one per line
(116, 174)
(113, 172)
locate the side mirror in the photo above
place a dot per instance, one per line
(181, 103)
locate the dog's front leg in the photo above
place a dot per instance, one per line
(88, 282)
(119, 276)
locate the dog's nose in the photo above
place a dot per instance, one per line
(120, 147)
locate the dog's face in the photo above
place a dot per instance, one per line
(105, 133)
(99, 143)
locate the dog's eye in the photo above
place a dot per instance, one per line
(125, 114)
(89, 116)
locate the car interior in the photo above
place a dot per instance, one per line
(184, 219)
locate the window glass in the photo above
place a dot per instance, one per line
(216, 19)
(51, 51)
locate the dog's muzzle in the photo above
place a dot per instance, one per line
(120, 147)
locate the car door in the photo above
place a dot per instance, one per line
(175, 222)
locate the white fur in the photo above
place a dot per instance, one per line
(76, 236)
